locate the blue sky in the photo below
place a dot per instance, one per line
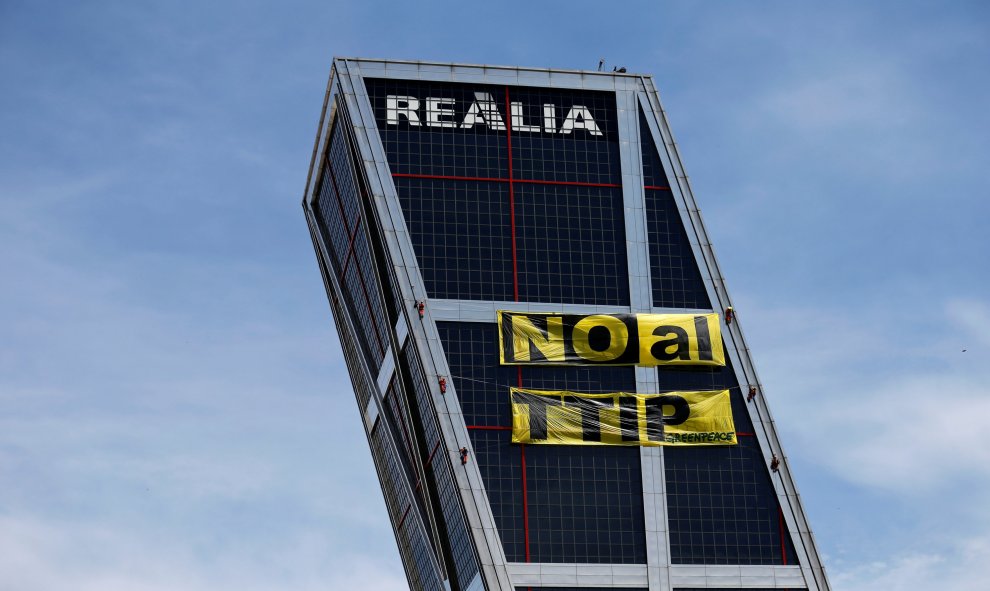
(174, 409)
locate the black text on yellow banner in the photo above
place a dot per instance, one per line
(560, 417)
(609, 339)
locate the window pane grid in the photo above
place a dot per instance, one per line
(578, 156)
(332, 224)
(585, 504)
(461, 234)
(722, 509)
(676, 279)
(338, 216)
(413, 544)
(461, 544)
(571, 245)
(569, 239)
(474, 152)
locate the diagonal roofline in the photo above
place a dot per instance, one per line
(492, 67)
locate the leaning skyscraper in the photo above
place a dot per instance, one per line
(555, 389)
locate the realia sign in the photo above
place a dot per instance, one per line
(484, 110)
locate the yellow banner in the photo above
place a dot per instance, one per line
(609, 339)
(560, 417)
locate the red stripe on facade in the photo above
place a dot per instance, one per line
(429, 461)
(432, 453)
(371, 313)
(405, 430)
(444, 177)
(485, 179)
(336, 193)
(745, 434)
(350, 251)
(783, 546)
(656, 188)
(404, 515)
(515, 293)
(567, 183)
(350, 246)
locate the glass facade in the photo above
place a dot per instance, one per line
(344, 227)
(456, 545)
(674, 274)
(570, 244)
(551, 503)
(721, 504)
(459, 231)
(510, 194)
(414, 545)
(430, 525)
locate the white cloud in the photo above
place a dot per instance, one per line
(870, 93)
(959, 566)
(175, 435)
(973, 318)
(903, 415)
(894, 414)
(64, 556)
(917, 434)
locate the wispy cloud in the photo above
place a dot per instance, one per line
(171, 429)
(961, 566)
(880, 403)
(93, 557)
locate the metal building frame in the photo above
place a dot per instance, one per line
(632, 93)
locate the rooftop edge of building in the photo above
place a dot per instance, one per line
(465, 72)
(419, 63)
